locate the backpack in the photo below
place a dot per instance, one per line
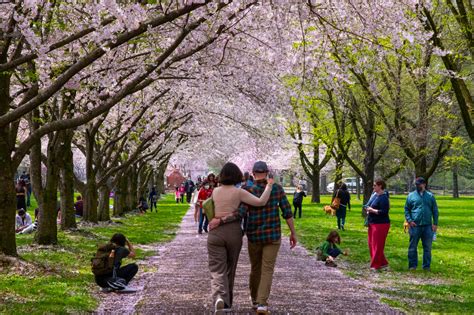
(103, 263)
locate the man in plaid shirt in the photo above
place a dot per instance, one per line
(264, 236)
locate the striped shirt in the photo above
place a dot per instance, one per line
(264, 225)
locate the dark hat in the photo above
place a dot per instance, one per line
(260, 167)
(420, 180)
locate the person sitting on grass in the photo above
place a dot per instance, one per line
(142, 205)
(329, 250)
(23, 220)
(118, 277)
(79, 207)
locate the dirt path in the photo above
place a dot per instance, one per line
(176, 281)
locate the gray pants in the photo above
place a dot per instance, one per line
(223, 245)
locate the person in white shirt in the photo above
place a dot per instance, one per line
(23, 220)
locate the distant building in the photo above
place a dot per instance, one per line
(174, 178)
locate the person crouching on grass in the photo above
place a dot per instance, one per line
(115, 277)
(329, 250)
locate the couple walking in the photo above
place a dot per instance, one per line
(261, 203)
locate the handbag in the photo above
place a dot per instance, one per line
(209, 209)
(366, 215)
(336, 202)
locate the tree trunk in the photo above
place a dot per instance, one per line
(455, 183)
(90, 201)
(369, 170)
(316, 194)
(121, 196)
(160, 180)
(358, 186)
(104, 203)
(324, 183)
(338, 171)
(7, 200)
(132, 192)
(420, 168)
(90, 195)
(66, 187)
(7, 172)
(47, 224)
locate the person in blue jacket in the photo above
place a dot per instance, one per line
(421, 213)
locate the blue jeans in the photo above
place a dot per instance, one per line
(203, 222)
(424, 232)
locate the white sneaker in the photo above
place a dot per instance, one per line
(219, 306)
(262, 309)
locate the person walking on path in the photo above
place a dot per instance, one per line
(177, 194)
(298, 200)
(421, 213)
(264, 236)
(379, 223)
(345, 204)
(189, 188)
(225, 237)
(182, 192)
(211, 179)
(152, 199)
(204, 193)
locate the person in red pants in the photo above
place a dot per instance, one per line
(379, 223)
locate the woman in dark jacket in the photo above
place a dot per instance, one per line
(379, 223)
(341, 212)
(298, 200)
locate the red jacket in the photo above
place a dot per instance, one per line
(203, 195)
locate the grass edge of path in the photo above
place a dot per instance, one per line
(449, 288)
(57, 279)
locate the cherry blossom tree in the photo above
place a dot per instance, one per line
(48, 45)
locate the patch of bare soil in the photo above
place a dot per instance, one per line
(177, 281)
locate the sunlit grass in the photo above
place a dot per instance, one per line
(450, 285)
(62, 281)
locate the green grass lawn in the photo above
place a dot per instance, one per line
(449, 288)
(58, 279)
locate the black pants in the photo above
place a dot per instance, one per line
(188, 197)
(297, 206)
(153, 204)
(334, 252)
(341, 216)
(126, 272)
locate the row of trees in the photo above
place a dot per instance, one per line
(382, 86)
(106, 80)
(125, 86)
